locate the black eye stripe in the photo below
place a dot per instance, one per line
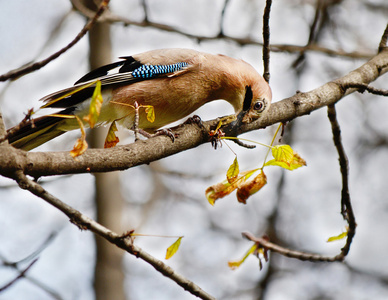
(248, 98)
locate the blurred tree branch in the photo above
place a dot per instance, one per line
(14, 74)
(124, 242)
(111, 17)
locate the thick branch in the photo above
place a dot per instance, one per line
(190, 135)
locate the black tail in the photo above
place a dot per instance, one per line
(37, 131)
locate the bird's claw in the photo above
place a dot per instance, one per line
(167, 132)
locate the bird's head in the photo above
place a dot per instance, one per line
(257, 101)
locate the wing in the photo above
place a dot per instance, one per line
(128, 71)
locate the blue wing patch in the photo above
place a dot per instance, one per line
(150, 71)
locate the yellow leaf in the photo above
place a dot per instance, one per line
(283, 153)
(233, 171)
(81, 145)
(219, 190)
(79, 148)
(111, 139)
(95, 106)
(249, 188)
(235, 264)
(338, 237)
(149, 109)
(225, 187)
(286, 158)
(173, 248)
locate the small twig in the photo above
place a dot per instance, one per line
(346, 206)
(365, 87)
(262, 242)
(384, 40)
(21, 275)
(144, 4)
(84, 222)
(29, 257)
(112, 18)
(266, 40)
(223, 18)
(11, 75)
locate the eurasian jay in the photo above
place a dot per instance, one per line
(175, 82)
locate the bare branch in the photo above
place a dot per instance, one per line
(365, 87)
(262, 242)
(21, 275)
(113, 18)
(14, 74)
(84, 222)
(318, 49)
(36, 282)
(346, 205)
(266, 39)
(384, 40)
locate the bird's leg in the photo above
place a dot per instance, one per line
(136, 122)
(168, 132)
(194, 120)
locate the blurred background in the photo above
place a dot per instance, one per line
(299, 209)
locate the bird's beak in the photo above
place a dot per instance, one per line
(247, 116)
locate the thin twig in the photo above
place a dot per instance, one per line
(262, 242)
(29, 257)
(11, 75)
(84, 222)
(346, 205)
(21, 275)
(366, 87)
(384, 40)
(112, 18)
(223, 18)
(266, 40)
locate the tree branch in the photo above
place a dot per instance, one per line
(125, 243)
(266, 39)
(262, 242)
(39, 164)
(13, 74)
(113, 18)
(21, 275)
(346, 205)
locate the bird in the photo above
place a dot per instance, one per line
(174, 81)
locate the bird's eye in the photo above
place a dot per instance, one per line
(259, 106)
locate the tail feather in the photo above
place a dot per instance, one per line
(37, 132)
